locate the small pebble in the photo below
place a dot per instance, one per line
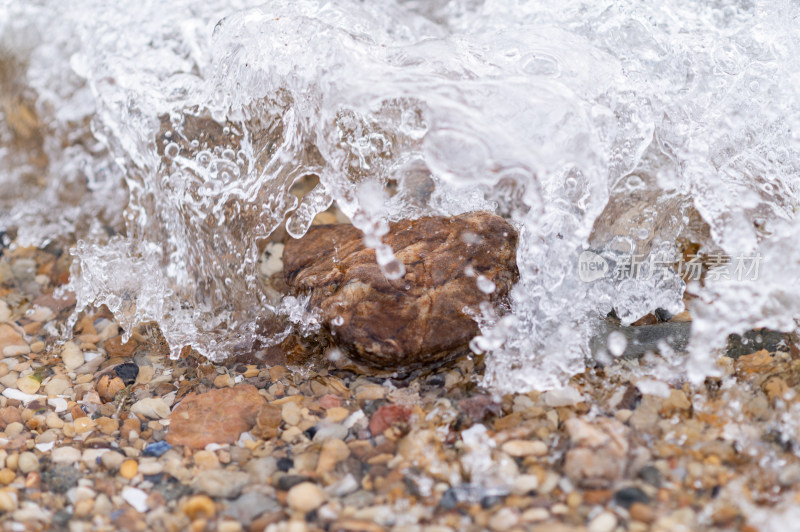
(603, 522)
(8, 500)
(28, 463)
(305, 497)
(199, 506)
(6, 476)
(150, 466)
(56, 386)
(291, 413)
(206, 460)
(503, 519)
(72, 356)
(151, 407)
(136, 498)
(65, 455)
(28, 384)
(519, 448)
(53, 421)
(128, 469)
(83, 424)
(112, 460)
(14, 428)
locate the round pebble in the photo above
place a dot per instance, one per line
(14, 428)
(199, 506)
(305, 497)
(112, 460)
(7, 476)
(291, 413)
(603, 522)
(83, 424)
(53, 421)
(504, 519)
(128, 469)
(206, 460)
(28, 462)
(150, 466)
(56, 386)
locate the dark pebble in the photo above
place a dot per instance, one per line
(651, 475)
(287, 482)
(171, 489)
(490, 500)
(61, 478)
(449, 500)
(285, 464)
(156, 449)
(627, 496)
(127, 372)
(61, 518)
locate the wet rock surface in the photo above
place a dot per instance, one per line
(217, 416)
(419, 319)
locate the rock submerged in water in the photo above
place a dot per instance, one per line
(419, 319)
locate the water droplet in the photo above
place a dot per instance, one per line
(485, 284)
(617, 343)
(172, 150)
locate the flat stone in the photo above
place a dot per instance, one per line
(151, 407)
(419, 318)
(220, 483)
(65, 455)
(250, 505)
(217, 416)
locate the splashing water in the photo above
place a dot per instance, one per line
(167, 138)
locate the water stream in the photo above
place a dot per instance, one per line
(168, 138)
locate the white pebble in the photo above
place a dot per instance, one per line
(13, 393)
(72, 356)
(305, 497)
(604, 522)
(28, 462)
(136, 498)
(65, 455)
(16, 350)
(151, 407)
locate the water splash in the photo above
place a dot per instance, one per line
(169, 138)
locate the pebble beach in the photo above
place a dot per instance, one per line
(97, 433)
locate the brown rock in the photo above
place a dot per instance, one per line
(115, 348)
(130, 425)
(642, 512)
(386, 416)
(108, 386)
(9, 415)
(217, 416)
(268, 421)
(10, 337)
(415, 320)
